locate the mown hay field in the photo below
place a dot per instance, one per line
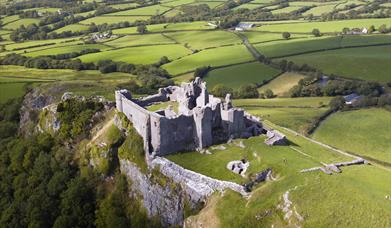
(72, 28)
(112, 19)
(139, 55)
(197, 25)
(238, 75)
(66, 49)
(210, 57)
(282, 84)
(364, 132)
(365, 63)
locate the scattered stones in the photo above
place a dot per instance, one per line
(260, 177)
(290, 211)
(330, 168)
(219, 147)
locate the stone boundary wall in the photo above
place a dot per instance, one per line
(198, 186)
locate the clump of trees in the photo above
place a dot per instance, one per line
(201, 71)
(286, 35)
(244, 91)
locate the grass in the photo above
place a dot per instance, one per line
(248, 6)
(182, 26)
(212, 57)
(73, 28)
(146, 39)
(286, 9)
(365, 132)
(204, 39)
(11, 90)
(142, 11)
(176, 3)
(259, 37)
(124, 5)
(328, 26)
(294, 113)
(30, 44)
(25, 21)
(112, 19)
(164, 105)
(139, 55)
(366, 63)
(282, 84)
(319, 10)
(66, 49)
(235, 76)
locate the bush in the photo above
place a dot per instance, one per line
(221, 90)
(286, 35)
(247, 91)
(201, 71)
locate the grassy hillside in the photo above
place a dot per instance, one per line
(235, 76)
(282, 84)
(365, 132)
(366, 63)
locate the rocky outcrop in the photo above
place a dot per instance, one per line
(164, 202)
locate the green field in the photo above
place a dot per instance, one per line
(112, 19)
(73, 28)
(294, 113)
(11, 90)
(9, 19)
(282, 84)
(286, 9)
(211, 57)
(205, 39)
(18, 23)
(319, 10)
(139, 55)
(364, 132)
(198, 25)
(40, 43)
(146, 39)
(366, 63)
(66, 49)
(124, 5)
(259, 37)
(142, 11)
(329, 26)
(235, 76)
(248, 6)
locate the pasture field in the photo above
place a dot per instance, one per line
(294, 113)
(66, 49)
(211, 4)
(84, 14)
(9, 19)
(356, 2)
(365, 63)
(282, 84)
(145, 39)
(210, 57)
(300, 3)
(73, 28)
(324, 27)
(365, 132)
(11, 90)
(295, 46)
(262, 1)
(197, 25)
(176, 3)
(18, 23)
(112, 19)
(142, 11)
(139, 55)
(319, 10)
(248, 6)
(124, 5)
(41, 43)
(260, 37)
(286, 9)
(199, 40)
(238, 75)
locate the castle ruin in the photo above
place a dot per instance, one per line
(202, 120)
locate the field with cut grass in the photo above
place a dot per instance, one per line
(364, 132)
(146, 39)
(328, 26)
(112, 19)
(238, 75)
(211, 57)
(259, 37)
(41, 43)
(142, 11)
(282, 84)
(366, 63)
(139, 55)
(319, 10)
(204, 39)
(198, 25)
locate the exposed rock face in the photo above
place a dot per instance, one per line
(158, 201)
(238, 167)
